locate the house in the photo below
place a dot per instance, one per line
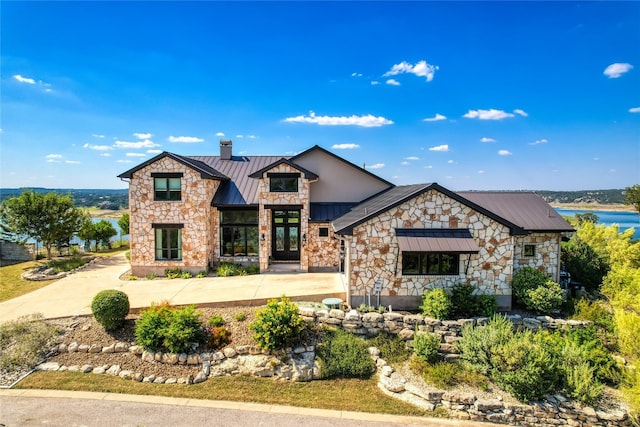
(319, 212)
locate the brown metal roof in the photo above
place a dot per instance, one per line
(524, 208)
(436, 240)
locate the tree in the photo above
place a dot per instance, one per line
(632, 197)
(46, 217)
(87, 232)
(123, 223)
(104, 231)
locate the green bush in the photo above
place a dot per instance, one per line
(463, 302)
(216, 321)
(545, 298)
(436, 303)
(172, 273)
(151, 276)
(186, 275)
(343, 355)
(478, 344)
(110, 307)
(447, 375)
(392, 348)
(486, 305)
(277, 325)
(201, 274)
(177, 330)
(240, 317)
(525, 280)
(524, 367)
(219, 337)
(67, 264)
(227, 269)
(426, 346)
(578, 376)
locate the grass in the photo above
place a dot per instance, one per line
(12, 285)
(24, 342)
(343, 395)
(447, 375)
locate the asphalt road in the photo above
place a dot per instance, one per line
(94, 409)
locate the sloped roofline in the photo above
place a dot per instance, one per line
(308, 174)
(206, 172)
(317, 147)
(348, 229)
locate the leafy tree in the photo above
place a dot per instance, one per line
(104, 231)
(46, 217)
(587, 217)
(632, 197)
(123, 223)
(87, 231)
(585, 265)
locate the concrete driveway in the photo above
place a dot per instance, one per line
(73, 294)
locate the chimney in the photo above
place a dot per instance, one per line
(225, 149)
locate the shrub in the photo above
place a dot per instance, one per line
(151, 276)
(240, 317)
(392, 348)
(110, 307)
(277, 325)
(201, 274)
(226, 269)
(162, 327)
(524, 367)
(67, 264)
(172, 273)
(344, 355)
(436, 303)
(24, 342)
(486, 305)
(219, 337)
(463, 302)
(524, 280)
(216, 321)
(186, 275)
(426, 346)
(478, 344)
(579, 377)
(252, 269)
(545, 298)
(447, 375)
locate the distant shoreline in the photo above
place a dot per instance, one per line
(593, 207)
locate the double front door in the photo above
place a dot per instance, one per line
(286, 235)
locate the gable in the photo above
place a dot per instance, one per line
(339, 180)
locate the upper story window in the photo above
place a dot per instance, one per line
(283, 182)
(167, 186)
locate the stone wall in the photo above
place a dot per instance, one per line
(547, 249)
(16, 252)
(193, 211)
(323, 252)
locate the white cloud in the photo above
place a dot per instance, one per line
(376, 166)
(154, 151)
(345, 146)
(412, 158)
(363, 121)
(124, 161)
(72, 162)
(138, 144)
(480, 171)
(442, 148)
(392, 82)
(96, 135)
(405, 163)
(98, 147)
(428, 167)
(634, 110)
(135, 154)
(185, 139)
(240, 136)
(21, 79)
(450, 162)
(142, 135)
(504, 153)
(617, 69)
(485, 139)
(251, 136)
(491, 114)
(374, 82)
(105, 154)
(421, 69)
(436, 118)
(53, 158)
(538, 142)
(521, 112)
(220, 134)
(356, 74)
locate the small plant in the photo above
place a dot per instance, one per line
(277, 325)
(110, 307)
(201, 274)
(426, 346)
(525, 280)
(436, 303)
(216, 321)
(132, 278)
(219, 337)
(392, 348)
(447, 375)
(240, 317)
(252, 269)
(151, 276)
(172, 273)
(24, 342)
(186, 275)
(226, 269)
(381, 309)
(478, 344)
(343, 355)
(163, 327)
(363, 308)
(67, 264)
(545, 298)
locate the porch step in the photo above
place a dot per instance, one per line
(284, 267)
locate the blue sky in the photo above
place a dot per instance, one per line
(472, 95)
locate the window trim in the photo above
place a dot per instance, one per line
(425, 263)
(529, 253)
(167, 191)
(323, 232)
(169, 247)
(282, 176)
(245, 234)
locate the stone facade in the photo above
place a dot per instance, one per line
(323, 251)
(193, 211)
(546, 253)
(375, 254)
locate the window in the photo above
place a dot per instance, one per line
(168, 241)
(279, 183)
(529, 250)
(239, 233)
(167, 186)
(430, 263)
(323, 232)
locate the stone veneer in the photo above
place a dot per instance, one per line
(374, 254)
(323, 252)
(193, 211)
(547, 249)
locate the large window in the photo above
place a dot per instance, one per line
(430, 263)
(283, 182)
(239, 233)
(167, 186)
(168, 241)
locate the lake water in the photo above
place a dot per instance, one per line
(623, 219)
